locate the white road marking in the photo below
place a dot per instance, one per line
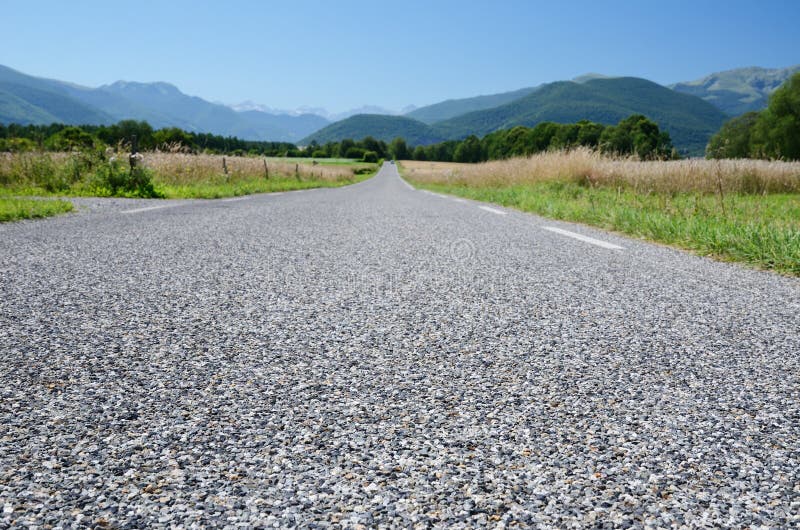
(234, 199)
(148, 208)
(457, 199)
(585, 239)
(493, 210)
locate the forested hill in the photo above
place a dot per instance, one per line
(689, 120)
(379, 126)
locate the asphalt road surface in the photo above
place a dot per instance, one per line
(378, 356)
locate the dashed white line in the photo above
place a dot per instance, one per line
(458, 200)
(493, 210)
(232, 199)
(148, 208)
(585, 239)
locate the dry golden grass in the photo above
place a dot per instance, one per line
(589, 167)
(185, 169)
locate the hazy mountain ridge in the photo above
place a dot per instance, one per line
(28, 99)
(739, 90)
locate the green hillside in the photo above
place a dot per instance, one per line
(379, 126)
(33, 105)
(689, 120)
(738, 91)
(456, 107)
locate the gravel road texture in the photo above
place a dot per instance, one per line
(377, 356)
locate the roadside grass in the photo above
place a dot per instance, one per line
(759, 229)
(14, 209)
(169, 175)
(217, 190)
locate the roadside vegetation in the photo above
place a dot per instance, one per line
(130, 159)
(746, 210)
(15, 209)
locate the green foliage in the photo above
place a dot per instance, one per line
(71, 139)
(12, 209)
(638, 136)
(469, 150)
(370, 156)
(60, 137)
(120, 179)
(635, 135)
(17, 145)
(773, 133)
(734, 138)
(777, 129)
(398, 149)
(355, 153)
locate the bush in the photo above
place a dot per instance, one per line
(355, 153)
(120, 179)
(370, 156)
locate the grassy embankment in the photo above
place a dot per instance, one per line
(14, 209)
(745, 210)
(166, 175)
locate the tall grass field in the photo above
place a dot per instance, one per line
(736, 210)
(168, 175)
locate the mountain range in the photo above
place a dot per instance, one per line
(690, 120)
(26, 99)
(691, 111)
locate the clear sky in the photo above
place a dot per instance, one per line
(344, 54)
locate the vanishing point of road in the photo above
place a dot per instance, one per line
(378, 356)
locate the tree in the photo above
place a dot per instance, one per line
(734, 139)
(398, 149)
(344, 146)
(72, 139)
(636, 135)
(468, 150)
(777, 130)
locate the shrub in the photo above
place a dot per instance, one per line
(370, 156)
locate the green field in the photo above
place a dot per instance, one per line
(15, 209)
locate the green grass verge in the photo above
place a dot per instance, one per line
(759, 230)
(13, 209)
(196, 190)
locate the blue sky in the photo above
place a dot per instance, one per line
(344, 54)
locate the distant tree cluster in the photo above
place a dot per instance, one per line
(60, 137)
(636, 135)
(369, 149)
(773, 133)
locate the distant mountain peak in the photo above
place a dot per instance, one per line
(739, 90)
(590, 77)
(160, 87)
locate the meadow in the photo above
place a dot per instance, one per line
(737, 210)
(168, 175)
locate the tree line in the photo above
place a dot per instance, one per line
(636, 135)
(60, 137)
(773, 133)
